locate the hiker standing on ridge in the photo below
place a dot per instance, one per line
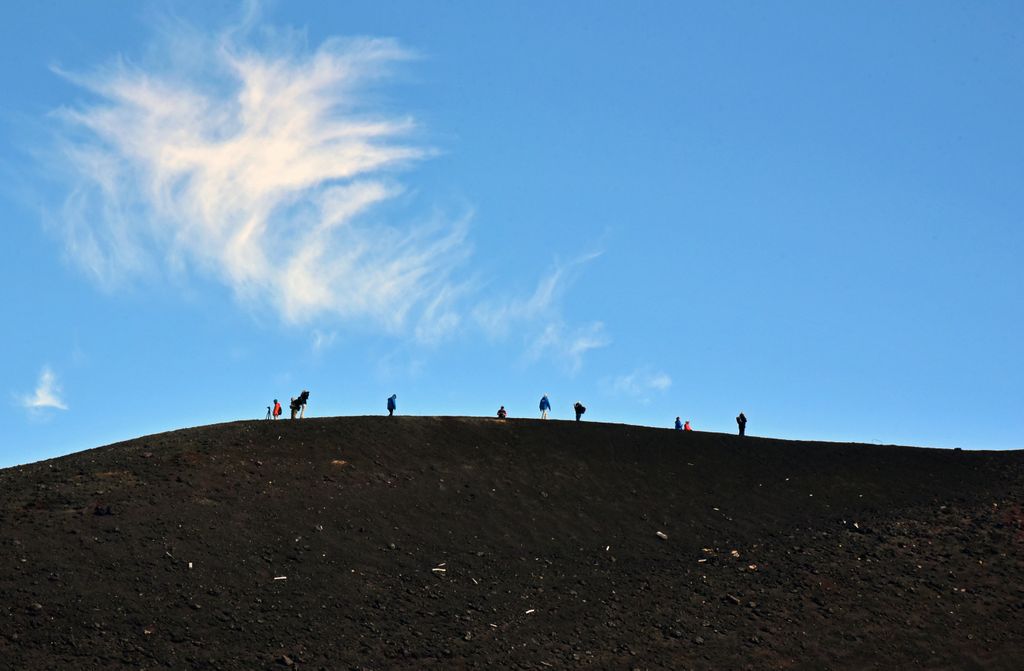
(392, 404)
(277, 409)
(545, 406)
(679, 425)
(502, 414)
(741, 421)
(686, 427)
(578, 407)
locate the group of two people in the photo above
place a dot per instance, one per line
(545, 408)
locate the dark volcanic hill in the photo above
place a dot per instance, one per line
(412, 543)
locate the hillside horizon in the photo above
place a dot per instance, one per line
(454, 542)
(510, 419)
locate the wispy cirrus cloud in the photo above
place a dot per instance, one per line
(47, 393)
(640, 384)
(264, 169)
(538, 317)
(567, 345)
(498, 318)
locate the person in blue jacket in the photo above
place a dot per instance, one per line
(392, 404)
(679, 425)
(545, 406)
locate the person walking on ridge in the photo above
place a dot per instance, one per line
(741, 421)
(277, 409)
(392, 404)
(502, 414)
(679, 425)
(545, 406)
(580, 409)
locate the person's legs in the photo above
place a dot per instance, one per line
(543, 414)
(391, 412)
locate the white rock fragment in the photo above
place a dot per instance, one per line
(662, 536)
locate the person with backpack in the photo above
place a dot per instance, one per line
(392, 404)
(277, 409)
(545, 406)
(741, 421)
(580, 409)
(502, 414)
(298, 405)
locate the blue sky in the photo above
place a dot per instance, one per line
(810, 212)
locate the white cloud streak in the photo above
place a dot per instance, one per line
(47, 393)
(261, 170)
(568, 345)
(556, 340)
(498, 319)
(641, 382)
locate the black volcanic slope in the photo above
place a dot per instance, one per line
(450, 543)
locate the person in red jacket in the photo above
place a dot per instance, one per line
(277, 409)
(686, 427)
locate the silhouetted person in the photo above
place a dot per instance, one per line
(741, 421)
(298, 405)
(392, 404)
(545, 406)
(293, 406)
(578, 407)
(501, 413)
(679, 425)
(277, 409)
(268, 413)
(686, 427)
